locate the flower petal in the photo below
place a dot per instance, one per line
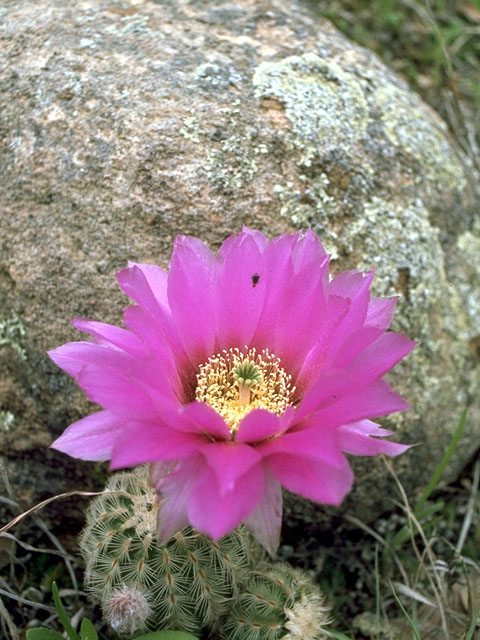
(229, 460)
(380, 312)
(265, 521)
(191, 293)
(216, 513)
(112, 335)
(240, 295)
(166, 347)
(311, 441)
(381, 356)
(258, 425)
(91, 438)
(141, 441)
(315, 360)
(356, 438)
(73, 356)
(296, 270)
(203, 419)
(373, 400)
(310, 479)
(173, 491)
(124, 396)
(372, 363)
(354, 344)
(356, 286)
(137, 284)
(156, 278)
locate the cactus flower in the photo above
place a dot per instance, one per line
(238, 373)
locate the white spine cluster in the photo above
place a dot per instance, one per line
(126, 609)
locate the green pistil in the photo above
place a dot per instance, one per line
(248, 374)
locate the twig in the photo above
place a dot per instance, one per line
(44, 503)
(14, 633)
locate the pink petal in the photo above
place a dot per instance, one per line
(354, 344)
(258, 425)
(307, 250)
(380, 312)
(217, 513)
(141, 441)
(311, 479)
(357, 438)
(174, 491)
(239, 295)
(301, 313)
(91, 438)
(73, 356)
(311, 441)
(373, 400)
(112, 391)
(200, 418)
(137, 285)
(378, 358)
(381, 356)
(355, 286)
(230, 461)
(156, 278)
(296, 271)
(316, 359)
(134, 282)
(278, 270)
(165, 346)
(192, 296)
(116, 336)
(265, 521)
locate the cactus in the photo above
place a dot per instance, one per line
(185, 584)
(277, 602)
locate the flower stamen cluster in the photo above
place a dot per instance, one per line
(234, 382)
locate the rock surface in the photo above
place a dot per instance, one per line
(126, 122)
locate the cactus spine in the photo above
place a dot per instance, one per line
(277, 602)
(185, 584)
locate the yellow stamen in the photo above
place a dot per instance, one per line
(234, 382)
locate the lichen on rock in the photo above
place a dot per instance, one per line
(325, 105)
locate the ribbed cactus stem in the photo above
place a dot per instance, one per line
(277, 602)
(186, 584)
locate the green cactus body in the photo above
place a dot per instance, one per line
(185, 584)
(277, 602)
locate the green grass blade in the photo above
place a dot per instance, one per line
(404, 533)
(416, 634)
(437, 474)
(471, 628)
(377, 596)
(62, 614)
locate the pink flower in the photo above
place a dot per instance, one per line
(239, 372)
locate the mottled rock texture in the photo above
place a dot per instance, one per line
(126, 122)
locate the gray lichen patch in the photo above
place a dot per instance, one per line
(468, 283)
(229, 148)
(407, 127)
(12, 333)
(7, 420)
(326, 106)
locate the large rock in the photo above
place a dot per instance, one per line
(127, 122)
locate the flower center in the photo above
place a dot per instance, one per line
(234, 382)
